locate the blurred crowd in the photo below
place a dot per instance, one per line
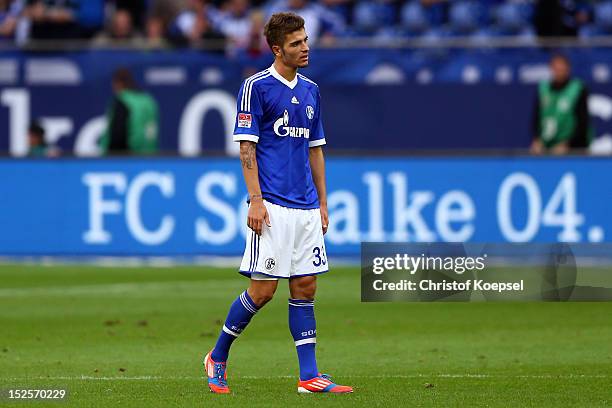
(239, 23)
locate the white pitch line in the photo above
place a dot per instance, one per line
(252, 377)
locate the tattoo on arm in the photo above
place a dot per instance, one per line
(247, 154)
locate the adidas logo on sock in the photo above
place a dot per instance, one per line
(294, 101)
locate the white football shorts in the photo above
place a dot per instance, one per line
(292, 246)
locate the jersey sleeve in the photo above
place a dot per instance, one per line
(249, 114)
(317, 136)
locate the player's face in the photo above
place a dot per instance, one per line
(294, 52)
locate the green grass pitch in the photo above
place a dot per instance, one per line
(136, 337)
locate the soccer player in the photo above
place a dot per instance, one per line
(281, 137)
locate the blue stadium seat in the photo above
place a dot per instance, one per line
(512, 19)
(364, 17)
(464, 17)
(603, 15)
(509, 17)
(602, 21)
(591, 30)
(369, 16)
(388, 33)
(413, 17)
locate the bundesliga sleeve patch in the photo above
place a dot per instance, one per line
(244, 120)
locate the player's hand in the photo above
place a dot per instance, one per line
(258, 214)
(560, 149)
(324, 218)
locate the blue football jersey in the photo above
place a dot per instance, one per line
(284, 119)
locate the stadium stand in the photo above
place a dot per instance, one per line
(23, 20)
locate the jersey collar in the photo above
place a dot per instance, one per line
(278, 76)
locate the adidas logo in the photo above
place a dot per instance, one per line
(294, 101)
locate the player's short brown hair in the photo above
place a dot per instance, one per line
(281, 24)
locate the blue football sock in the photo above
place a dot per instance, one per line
(303, 328)
(239, 316)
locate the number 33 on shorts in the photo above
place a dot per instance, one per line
(320, 258)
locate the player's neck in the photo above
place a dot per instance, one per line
(286, 72)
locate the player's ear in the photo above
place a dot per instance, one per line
(276, 50)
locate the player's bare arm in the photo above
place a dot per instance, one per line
(257, 210)
(317, 166)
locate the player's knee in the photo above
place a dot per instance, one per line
(261, 294)
(261, 298)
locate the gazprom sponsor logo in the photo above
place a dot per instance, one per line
(282, 129)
